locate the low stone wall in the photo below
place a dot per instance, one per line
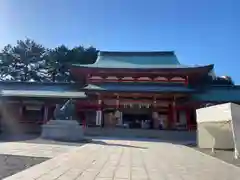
(18, 127)
(142, 133)
(66, 130)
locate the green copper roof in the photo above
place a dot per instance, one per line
(40, 90)
(138, 87)
(135, 60)
(42, 94)
(219, 94)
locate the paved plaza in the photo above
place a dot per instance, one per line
(135, 160)
(12, 164)
(34, 149)
(26, 151)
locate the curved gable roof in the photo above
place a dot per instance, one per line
(161, 59)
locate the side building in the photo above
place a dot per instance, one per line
(147, 90)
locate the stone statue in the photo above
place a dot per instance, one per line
(65, 127)
(65, 112)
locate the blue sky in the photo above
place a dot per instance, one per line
(199, 31)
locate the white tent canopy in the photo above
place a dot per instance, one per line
(219, 127)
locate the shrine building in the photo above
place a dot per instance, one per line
(131, 90)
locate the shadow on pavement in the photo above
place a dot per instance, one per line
(188, 142)
(36, 139)
(12, 164)
(115, 144)
(17, 137)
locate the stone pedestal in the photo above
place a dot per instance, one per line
(65, 130)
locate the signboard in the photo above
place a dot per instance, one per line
(131, 105)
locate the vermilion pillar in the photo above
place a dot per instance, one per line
(170, 116)
(186, 81)
(87, 79)
(188, 117)
(174, 115)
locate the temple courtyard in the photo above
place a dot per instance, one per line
(115, 159)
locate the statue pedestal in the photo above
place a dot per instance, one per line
(65, 130)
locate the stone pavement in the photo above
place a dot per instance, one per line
(33, 149)
(135, 160)
(11, 164)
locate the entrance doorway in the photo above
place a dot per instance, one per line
(138, 118)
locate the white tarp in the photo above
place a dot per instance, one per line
(217, 113)
(235, 109)
(219, 127)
